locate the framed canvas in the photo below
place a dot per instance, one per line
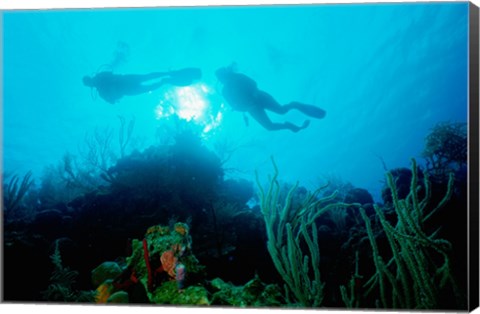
(278, 156)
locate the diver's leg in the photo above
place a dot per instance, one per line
(264, 120)
(266, 101)
(153, 75)
(309, 110)
(184, 77)
(138, 89)
(154, 86)
(140, 78)
(269, 103)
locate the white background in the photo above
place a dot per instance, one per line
(41, 4)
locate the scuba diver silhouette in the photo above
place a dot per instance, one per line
(242, 94)
(112, 87)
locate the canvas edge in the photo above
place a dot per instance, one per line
(473, 215)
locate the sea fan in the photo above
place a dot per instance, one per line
(62, 281)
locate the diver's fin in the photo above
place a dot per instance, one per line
(309, 110)
(184, 77)
(305, 124)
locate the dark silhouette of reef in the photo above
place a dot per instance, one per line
(183, 181)
(122, 223)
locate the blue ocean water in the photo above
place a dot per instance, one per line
(384, 73)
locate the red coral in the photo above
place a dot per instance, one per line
(147, 263)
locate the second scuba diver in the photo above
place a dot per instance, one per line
(112, 87)
(242, 93)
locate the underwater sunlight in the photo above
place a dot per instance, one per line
(192, 104)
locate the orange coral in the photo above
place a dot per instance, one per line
(161, 230)
(103, 292)
(181, 228)
(169, 262)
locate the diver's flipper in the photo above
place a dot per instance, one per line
(309, 110)
(184, 77)
(305, 124)
(292, 127)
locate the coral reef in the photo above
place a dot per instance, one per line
(254, 293)
(105, 271)
(406, 253)
(164, 250)
(168, 293)
(118, 297)
(171, 246)
(62, 281)
(293, 238)
(13, 194)
(446, 147)
(419, 267)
